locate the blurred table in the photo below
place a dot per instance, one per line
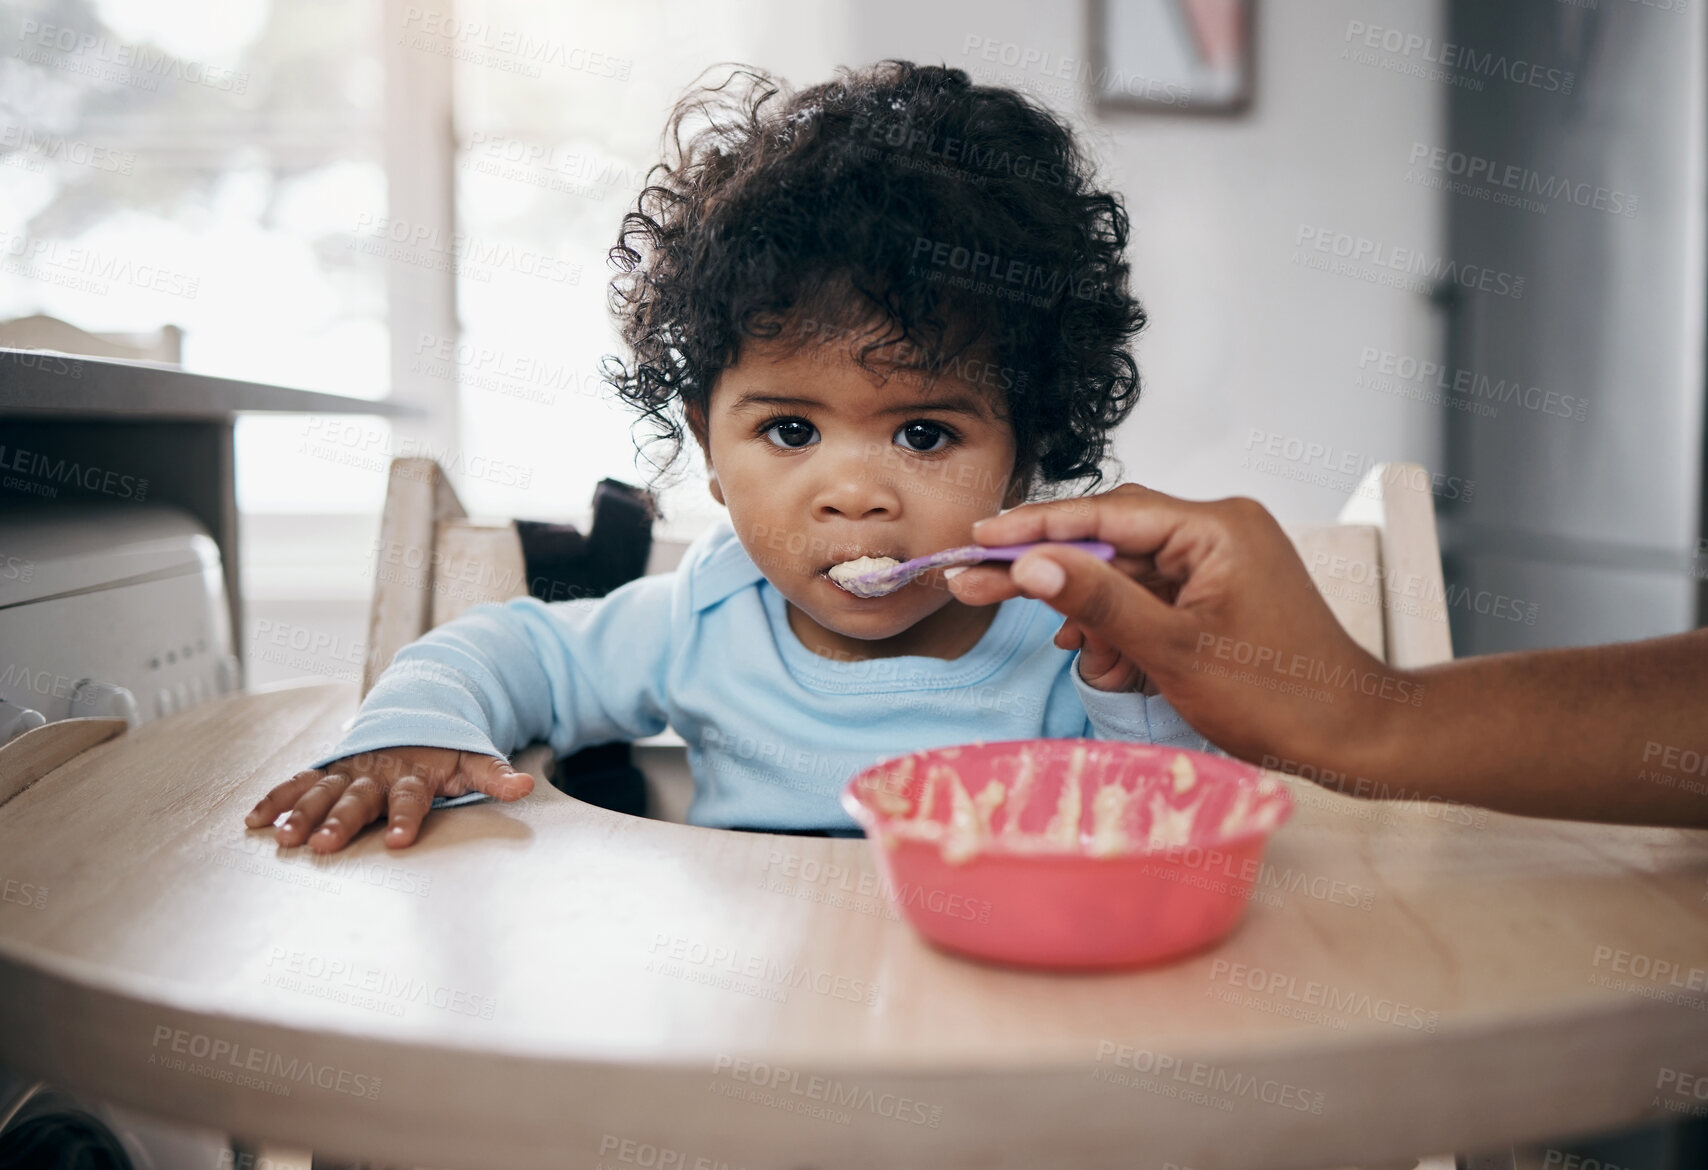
(548, 984)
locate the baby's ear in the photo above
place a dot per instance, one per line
(696, 416)
(695, 413)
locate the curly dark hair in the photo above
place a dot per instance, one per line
(898, 204)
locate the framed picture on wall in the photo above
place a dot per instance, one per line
(1179, 56)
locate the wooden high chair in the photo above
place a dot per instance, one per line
(434, 562)
(145, 934)
(1379, 569)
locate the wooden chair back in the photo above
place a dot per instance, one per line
(1379, 568)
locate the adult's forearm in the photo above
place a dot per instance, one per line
(1211, 601)
(1611, 733)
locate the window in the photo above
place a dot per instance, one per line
(200, 166)
(224, 168)
(559, 113)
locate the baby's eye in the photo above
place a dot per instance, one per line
(924, 436)
(793, 433)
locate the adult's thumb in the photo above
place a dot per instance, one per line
(1101, 599)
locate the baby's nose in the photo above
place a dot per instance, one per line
(855, 493)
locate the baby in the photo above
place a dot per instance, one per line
(884, 307)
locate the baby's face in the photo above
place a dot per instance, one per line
(821, 462)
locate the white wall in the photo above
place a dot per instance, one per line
(1242, 337)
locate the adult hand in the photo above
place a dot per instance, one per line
(1209, 600)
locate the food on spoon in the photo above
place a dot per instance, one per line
(844, 573)
(885, 575)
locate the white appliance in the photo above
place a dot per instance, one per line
(105, 609)
(108, 609)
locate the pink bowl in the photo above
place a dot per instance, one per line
(1089, 854)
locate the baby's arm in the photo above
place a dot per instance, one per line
(1134, 717)
(442, 717)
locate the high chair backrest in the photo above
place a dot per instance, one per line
(435, 562)
(1379, 568)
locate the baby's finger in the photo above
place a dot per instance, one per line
(1070, 636)
(361, 803)
(311, 807)
(281, 797)
(1098, 657)
(411, 797)
(499, 780)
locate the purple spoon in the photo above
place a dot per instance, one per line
(878, 582)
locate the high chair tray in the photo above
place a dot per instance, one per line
(548, 984)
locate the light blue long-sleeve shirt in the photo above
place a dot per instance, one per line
(773, 729)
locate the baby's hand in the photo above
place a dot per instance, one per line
(399, 783)
(1102, 666)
